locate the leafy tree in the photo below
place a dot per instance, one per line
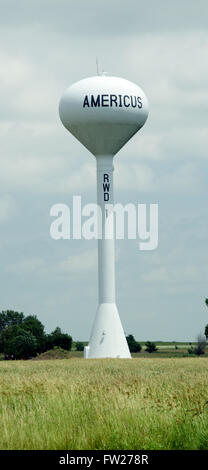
(17, 342)
(57, 338)
(34, 326)
(25, 345)
(79, 346)
(150, 347)
(200, 347)
(25, 336)
(7, 338)
(10, 321)
(134, 346)
(9, 318)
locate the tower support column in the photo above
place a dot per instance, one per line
(107, 338)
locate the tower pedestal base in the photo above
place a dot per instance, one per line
(107, 337)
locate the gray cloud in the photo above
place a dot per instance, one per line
(162, 46)
(100, 17)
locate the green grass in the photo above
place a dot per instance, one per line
(74, 403)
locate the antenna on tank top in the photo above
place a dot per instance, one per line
(97, 66)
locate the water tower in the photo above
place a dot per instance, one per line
(103, 113)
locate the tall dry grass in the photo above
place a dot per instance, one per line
(104, 404)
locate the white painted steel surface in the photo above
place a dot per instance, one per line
(110, 120)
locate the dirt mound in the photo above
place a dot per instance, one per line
(56, 353)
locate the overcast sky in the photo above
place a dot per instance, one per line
(45, 46)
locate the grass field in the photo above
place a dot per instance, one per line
(142, 403)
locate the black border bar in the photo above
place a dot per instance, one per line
(97, 459)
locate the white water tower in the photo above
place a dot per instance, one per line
(103, 113)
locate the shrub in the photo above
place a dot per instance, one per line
(134, 346)
(201, 345)
(150, 347)
(79, 346)
(57, 338)
(191, 350)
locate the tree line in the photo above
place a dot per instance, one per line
(23, 337)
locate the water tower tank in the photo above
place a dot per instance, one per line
(103, 112)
